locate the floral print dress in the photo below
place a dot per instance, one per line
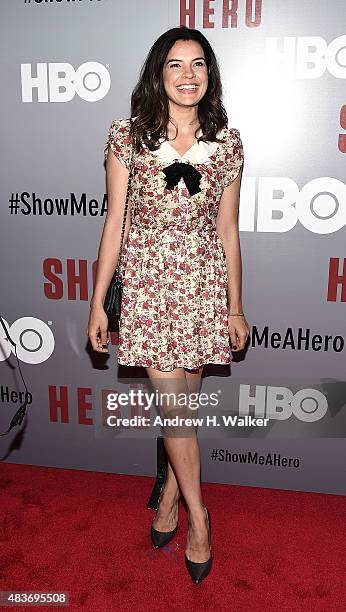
(173, 265)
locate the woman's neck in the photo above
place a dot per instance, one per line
(183, 121)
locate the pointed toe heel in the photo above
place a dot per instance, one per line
(161, 538)
(199, 571)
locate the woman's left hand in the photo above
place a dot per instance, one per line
(239, 332)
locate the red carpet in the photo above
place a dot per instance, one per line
(88, 533)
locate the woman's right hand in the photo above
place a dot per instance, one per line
(97, 329)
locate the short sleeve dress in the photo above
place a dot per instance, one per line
(173, 265)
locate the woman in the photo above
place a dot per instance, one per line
(181, 260)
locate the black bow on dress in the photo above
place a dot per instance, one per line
(191, 176)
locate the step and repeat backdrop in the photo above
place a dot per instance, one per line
(274, 418)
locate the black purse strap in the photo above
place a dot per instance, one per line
(125, 213)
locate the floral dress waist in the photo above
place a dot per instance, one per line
(173, 227)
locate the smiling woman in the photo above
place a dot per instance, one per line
(180, 306)
(188, 87)
(185, 78)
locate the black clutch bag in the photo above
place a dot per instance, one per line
(113, 298)
(112, 304)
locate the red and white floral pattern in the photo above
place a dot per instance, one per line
(173, 265)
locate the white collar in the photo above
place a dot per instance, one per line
(198, 153)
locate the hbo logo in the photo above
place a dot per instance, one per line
(59, 82)
(280, 403)
(34, 340)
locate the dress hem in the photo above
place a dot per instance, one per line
(175, 365)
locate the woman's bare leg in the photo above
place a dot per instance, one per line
(184, 457)
(167, 514)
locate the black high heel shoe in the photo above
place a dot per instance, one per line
(161, 538)
(199, 571)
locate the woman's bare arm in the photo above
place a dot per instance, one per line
(117, 176)
(227, 227)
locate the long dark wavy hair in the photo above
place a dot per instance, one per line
(149, 101)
